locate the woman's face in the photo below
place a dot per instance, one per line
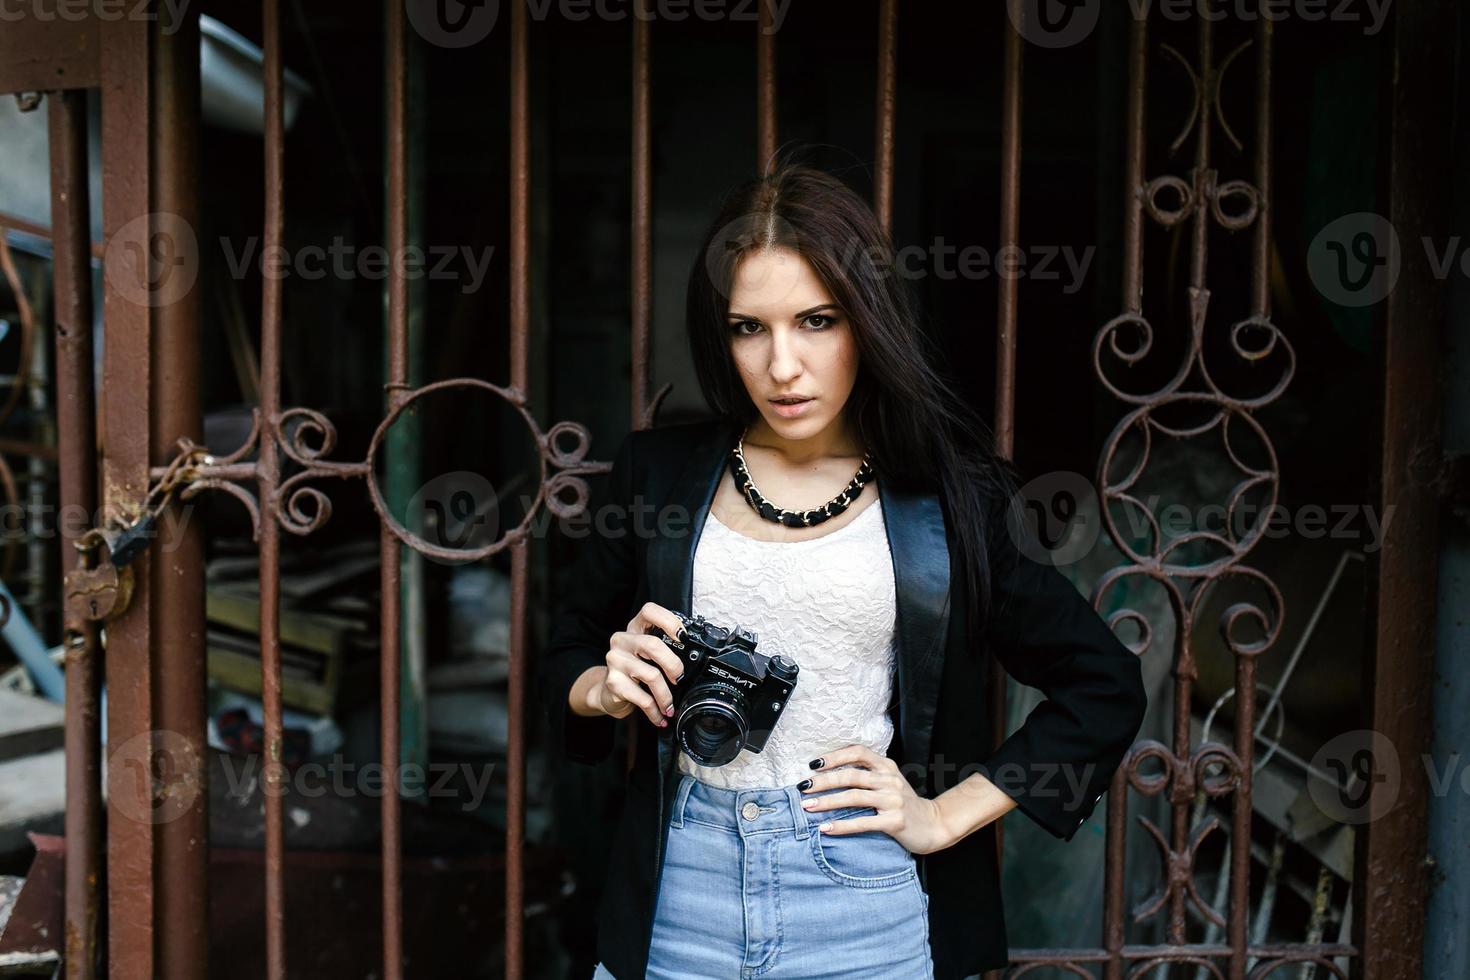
(790, 340)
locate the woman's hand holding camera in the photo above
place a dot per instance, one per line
(915, 822)
(637, 665)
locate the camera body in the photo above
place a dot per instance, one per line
(730, 697)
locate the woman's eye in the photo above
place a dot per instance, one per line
(826, 321)
(737, 327)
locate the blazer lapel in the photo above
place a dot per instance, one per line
(918, 545)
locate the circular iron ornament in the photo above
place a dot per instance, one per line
(1154, 962)
(1143, 421)
(571, 462)
(1166, 216)
(1243, 218)
(1275, 709)
(1026, 968)
(1266, 967)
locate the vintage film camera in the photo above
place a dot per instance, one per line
(730, 696)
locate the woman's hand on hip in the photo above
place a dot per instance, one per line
(903, 814)
(640, 667)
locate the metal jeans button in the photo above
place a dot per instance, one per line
(750, 810)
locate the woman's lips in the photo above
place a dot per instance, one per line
(790, 410)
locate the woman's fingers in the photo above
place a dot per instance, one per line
(622, 686)
(650, 648)
(861, 778)
(652, 614)
(630, 663)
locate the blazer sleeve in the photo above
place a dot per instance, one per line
(594, 604)
(1047, 635)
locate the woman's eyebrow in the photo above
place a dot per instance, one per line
(800, 316)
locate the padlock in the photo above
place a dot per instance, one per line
(127, 543)
(99, 593)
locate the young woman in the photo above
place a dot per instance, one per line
(845, 507)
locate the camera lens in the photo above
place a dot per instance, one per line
(712, 725)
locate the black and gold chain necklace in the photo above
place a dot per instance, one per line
(792, 518)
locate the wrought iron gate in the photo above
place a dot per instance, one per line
(145, 879)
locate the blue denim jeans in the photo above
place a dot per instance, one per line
(751, 888)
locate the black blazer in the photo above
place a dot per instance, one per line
(647, 521)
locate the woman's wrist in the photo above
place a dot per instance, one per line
(969, 805)
(583, 696)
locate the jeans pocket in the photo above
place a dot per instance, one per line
(867, 859)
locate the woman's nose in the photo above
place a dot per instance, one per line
(785, 363)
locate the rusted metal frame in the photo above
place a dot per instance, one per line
(390, 556)
(1392, 874)
(267, 473)
(1114, 930)
(1005, 327)
(41, 231)
(76, 423)
(887, 104)
(46, 52)
(642, 266)
(642, 232)
(1183, 702)
(177, 582)
(126, 82)
(520, 332)
(765, 85)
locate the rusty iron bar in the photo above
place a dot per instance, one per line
(642, 166)
(126, 92)
(268, 477)
(642, 271)
(1393, 870)
(887, 104)
(178, 574)
(1005, 332)
(389, 552)
(1136, 121)
(765, 86)
(41, 231)
(1133, 188)
(58, 52)
(77, 473)
(1180, 843)
(520, 332)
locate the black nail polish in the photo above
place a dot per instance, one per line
(804, 784)
(816, 763)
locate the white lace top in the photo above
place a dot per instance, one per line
(825, 602)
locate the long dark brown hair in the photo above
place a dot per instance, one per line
(921, 433)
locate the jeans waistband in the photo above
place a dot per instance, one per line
(755, 810)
